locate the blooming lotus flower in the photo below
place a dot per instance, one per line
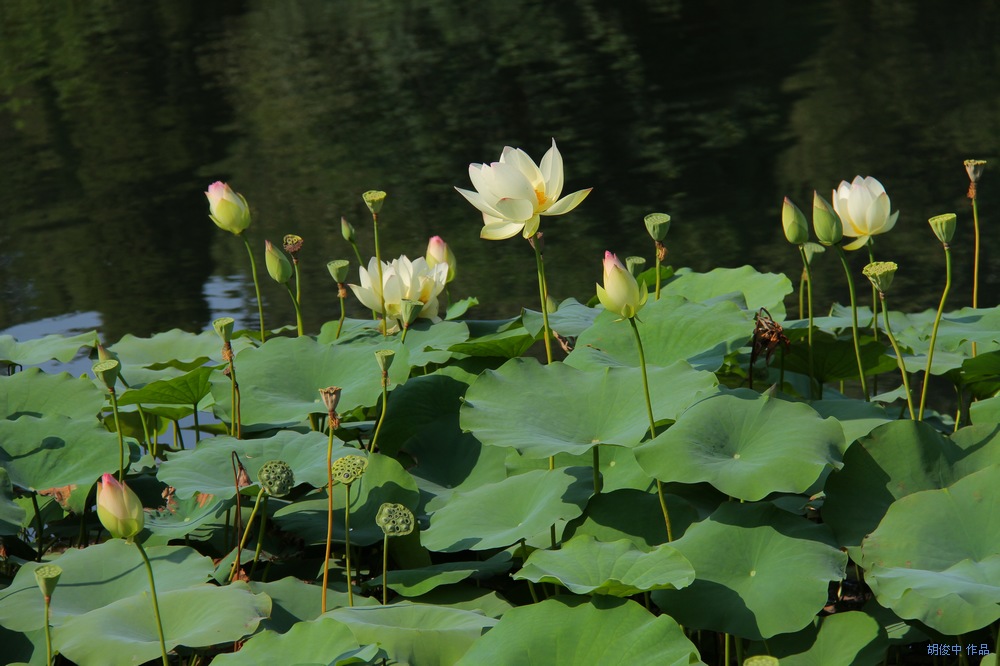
(514, 192)
(438, 252)
(402, 279)
(863, 207)
(621, 293)
(228, 209)
(118, 508)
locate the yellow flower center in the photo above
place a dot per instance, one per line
(540, 195)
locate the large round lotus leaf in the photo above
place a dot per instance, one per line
(194, 518)
(834, 358)
(124, 632)
(55, 451)
(759, 290)
(11, 514)
(672, 329)
(745, 444)
(570, 319)
(895, 460)
(294, 600)
(956, 330)
(209, 468)
(760, 572)
(415, 582)
(505, 338)
(585, 566)
(935, 557)
(172, 349)
(186, 389)
(497, 515)
(449, 460)
(426, 342)
(415, 634)
(97, 576)
(49, 348)
(634, 515)
(574, 631)
(856, 417)
(280, 381)
(384, 480)
(313, 642)
(851, 637)
(542, 410)
(985, 411)
(35, 393)
(426, 404)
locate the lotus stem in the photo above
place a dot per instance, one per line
(246, 533)
(256, 286)
(156, 603)
(381, 417)
(934, 330)
(871, 259)
(298, 281)
(121, 437)
(347, 543)
(385, 569)
(295, 302)
(343, 313)
(39, 527)
(260, 536)
(656, 296)
(524, 558)
(542, 294)
(854, 322)
(975, 262)
(378, 262)
(807, 272)
(899, 357)
(652, 424)
(48, 632)
(329, 516)
(597, 468)
(197, 431)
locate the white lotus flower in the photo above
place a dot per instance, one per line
(402, 280)
(514, 192)
(863, 207)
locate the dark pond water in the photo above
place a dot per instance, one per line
(115, 116)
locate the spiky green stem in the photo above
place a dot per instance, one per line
(156, 603)
(298, 310)
(256, 286)
(854, 322)
(899, 356)
(934, 330)
(329, 517)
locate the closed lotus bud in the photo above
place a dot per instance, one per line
(384, 358)
(349, 469)
(346, 230)
(374, 200)
(276, 478)
(224, 328)
(880, 273)
(438, 252)
(943, 226)
(657, 224)
(635, 265)
(228, 209)
(338, 269)
(47, 577)
(826, 223)
(794, 223)
(395, 519)
(620, 294)
(278, 265)
(107, 372)
(118, 508)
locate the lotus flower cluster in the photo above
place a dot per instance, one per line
(514, 192)
(863, 207)
(402, 280)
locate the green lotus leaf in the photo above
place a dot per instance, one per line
(745, 444)
(425, 404)
(542, 410)
(415, 582)
(585, 566)
(466, 596)
(672, 329)
(505, 338)
(459, 308)
(570, 319)
(209, 467)
(426, 342)
(34, 393)
(51, 347)
(985, 411)
(124, 632)
(97, 576)
(55, 451)
(895, 460)
(759, 290)
(415, 634)
(935, 557)
(384, 480)
(305, 643)
(187, 389)
(574, 631)
(497, 515)
(11, 514)
(834, 358)
(632, 514)
(760, 572)
(172, 349)
(280, 381)
(856, 417)
(851, 637)
(194, 518)
(23, 648)
(957, 328)
(294, 600)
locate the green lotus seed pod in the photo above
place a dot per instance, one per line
(761, 660)
(338, 269)
(409, 310)
(224, 328)
(395, 519)
(880, 273)
(374, 200)
(276, 478)
(107, 372)
(47, 576)
(384, 358)
(943, 226)
(657, 224)
(349, 469)
(635, 265)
